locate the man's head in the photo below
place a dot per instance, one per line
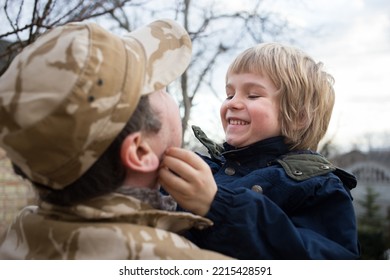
(142, 151)
(132, 159)
(305, 91)
(66, 97)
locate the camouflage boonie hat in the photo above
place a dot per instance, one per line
(65, 98)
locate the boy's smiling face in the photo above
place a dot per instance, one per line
(250, 112)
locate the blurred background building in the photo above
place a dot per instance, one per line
(372, 170)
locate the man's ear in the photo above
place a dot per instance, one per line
(137, 155)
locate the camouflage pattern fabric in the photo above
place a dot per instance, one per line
(114, 226)
(66, 97)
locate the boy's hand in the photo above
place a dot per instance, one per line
(188, 179)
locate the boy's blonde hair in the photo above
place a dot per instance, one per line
(305, 90)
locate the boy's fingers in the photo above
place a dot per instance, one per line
(172, 183)
(186, 156)
(180, 168)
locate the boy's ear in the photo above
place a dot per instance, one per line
(137, 155)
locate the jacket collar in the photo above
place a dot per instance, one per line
(259, 154)
(125, 209)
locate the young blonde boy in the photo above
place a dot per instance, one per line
(270, 194)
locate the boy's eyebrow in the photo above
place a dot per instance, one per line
(248, 84)
(254, 85)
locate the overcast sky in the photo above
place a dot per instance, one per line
(353, 42)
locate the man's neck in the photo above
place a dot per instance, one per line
(153, 197)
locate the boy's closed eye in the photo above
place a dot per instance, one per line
(254, 96)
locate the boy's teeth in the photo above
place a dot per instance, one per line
(237, 122)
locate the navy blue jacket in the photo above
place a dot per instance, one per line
(263, 209)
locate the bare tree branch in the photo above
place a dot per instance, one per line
(27, 20)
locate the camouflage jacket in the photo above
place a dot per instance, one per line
(114, 226)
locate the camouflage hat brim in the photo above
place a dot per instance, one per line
(65, 98)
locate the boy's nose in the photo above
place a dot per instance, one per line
(235, 103)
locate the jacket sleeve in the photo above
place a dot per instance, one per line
(317, 222)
